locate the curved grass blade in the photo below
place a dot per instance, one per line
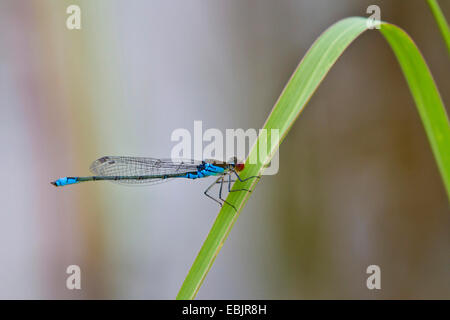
(426, 95)
(441, 22)
(306, 78)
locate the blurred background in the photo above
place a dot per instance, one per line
(357, 184)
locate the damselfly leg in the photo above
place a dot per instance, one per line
(221, 180)
(220, 193)
(209, 188)
(242, 180)
(218, 180)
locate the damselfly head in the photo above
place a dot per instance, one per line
(239, 166)
(236, 164)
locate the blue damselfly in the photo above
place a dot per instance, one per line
(148, 171)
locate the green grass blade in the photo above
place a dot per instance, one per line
(442, 23)
(306, 78)
(428, 101)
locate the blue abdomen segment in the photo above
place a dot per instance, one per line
(65, 181)
(205, 170)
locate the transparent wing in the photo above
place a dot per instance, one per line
(139, 166)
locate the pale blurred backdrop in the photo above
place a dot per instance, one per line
(357, 184)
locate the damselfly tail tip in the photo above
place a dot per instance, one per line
(64, 181)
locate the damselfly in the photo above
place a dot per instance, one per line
(148, 171)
